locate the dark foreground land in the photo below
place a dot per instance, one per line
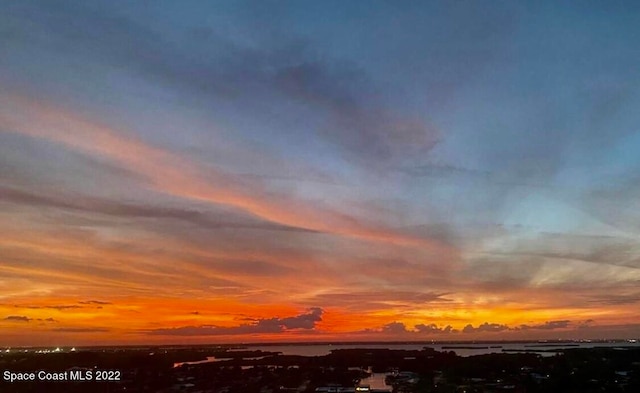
(152, 370)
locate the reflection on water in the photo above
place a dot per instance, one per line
(375, 380)
(209, 359)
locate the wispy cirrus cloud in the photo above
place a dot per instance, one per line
(344, 104)
(175, 175)
(103, 206)
(378, 300)
(403, 169)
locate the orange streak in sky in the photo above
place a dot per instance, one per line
(179, 176)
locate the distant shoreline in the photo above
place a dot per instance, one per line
(470, 344)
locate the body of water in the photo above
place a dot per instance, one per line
(461, 349)
(375, 380)
(209, 359)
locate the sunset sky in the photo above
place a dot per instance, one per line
(204, 172)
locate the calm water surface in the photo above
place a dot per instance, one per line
(478, 349)
(464, 349)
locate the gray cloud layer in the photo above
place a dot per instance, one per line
(305, 321)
